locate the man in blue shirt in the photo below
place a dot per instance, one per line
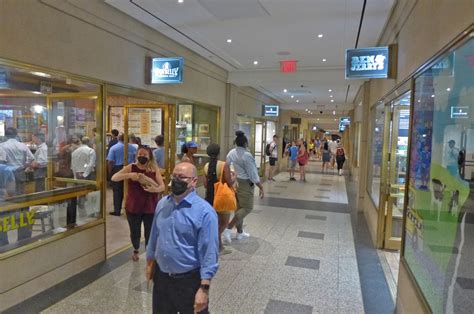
(182, 253)
(115, 161)
(293, 154)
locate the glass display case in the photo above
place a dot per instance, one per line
(44, 190)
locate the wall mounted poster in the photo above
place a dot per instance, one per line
(145, 123)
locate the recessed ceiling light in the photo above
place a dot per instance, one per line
(432, 96)
(180, 1)
(285, 90)
(419, 100)
(332, 100)
(292, 96)
(448, 89)
(255, 62)
(329, 90)
(335, 120)
(330, 96)
(320, 36)
(297, 100)
(229, 40)
(324, 60)
(318, 119)
(334, 112)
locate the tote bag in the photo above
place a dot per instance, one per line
(224, 196)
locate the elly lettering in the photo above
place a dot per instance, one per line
(14, 222)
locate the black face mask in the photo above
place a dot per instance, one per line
(178, 187)
(142, 159)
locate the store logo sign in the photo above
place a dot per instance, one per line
(165, 70)
(458, 112)
(367, 63)
(270, 110)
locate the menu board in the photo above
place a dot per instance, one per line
(145, 123)
(117, 118)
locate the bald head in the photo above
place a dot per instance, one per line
(185, 169)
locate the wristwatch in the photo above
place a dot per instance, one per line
(205, 287)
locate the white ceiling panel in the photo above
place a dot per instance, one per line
(269, 31)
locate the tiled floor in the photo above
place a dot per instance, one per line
(301, 258)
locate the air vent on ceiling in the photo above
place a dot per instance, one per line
(232, 9)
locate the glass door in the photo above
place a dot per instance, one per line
(259, 145)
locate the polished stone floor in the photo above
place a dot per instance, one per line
(309, 252)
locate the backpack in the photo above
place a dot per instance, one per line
(268, 152)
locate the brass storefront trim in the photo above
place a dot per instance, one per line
(51, 239)
(418, 290)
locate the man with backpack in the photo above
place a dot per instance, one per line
(271, 150)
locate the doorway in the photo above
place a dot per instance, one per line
(144, 119)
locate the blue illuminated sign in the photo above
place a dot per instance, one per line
(344, 122)
(270, 110)
(367, 63)
(459, 112)
(165, 70)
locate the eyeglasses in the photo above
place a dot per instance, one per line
(179, 177)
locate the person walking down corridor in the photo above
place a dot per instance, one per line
(273, 150)
(293, 154)
(340, 157)
(182, 255)
(115, 161)
(144, 185)
(302, 158)
(247, 178)
(214, 170)
(326, 156)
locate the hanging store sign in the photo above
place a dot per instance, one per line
(459, 112)
(270, 110)
(368, 63)
(344, 122)
(164, 70)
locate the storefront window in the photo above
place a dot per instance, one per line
(439, 242)
(50, 155)
(376, 152)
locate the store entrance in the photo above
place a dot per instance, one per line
(140, 121)
(394, 169)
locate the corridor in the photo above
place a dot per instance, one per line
(309, 252)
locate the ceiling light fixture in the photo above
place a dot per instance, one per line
(332, 100)
(229, 40)
(320, 36)
(432, 96)
(255, 62)
(324, 60)
(448, 89)
(180, 1)
(330, 96)
(329, 90)
(297, 100)
(292, 96)
(40, 74)
(37, 93)
(285, 90)
(334, 112)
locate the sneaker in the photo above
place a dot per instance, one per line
(242, 236)
(226, 236)
(114, 214)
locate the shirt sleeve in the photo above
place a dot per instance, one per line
(91, 164)
(30, 157)
(110, 155)
(42, 157)
(251, 168)
(208, 245)
(151, 247)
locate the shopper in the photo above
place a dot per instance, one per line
(326, 156)
(214, 170)
(293, 156)
(273, 157)
(340, 157)
(38, 168)
(190, 148)
(114, 139)
(302, 158)
(247, 178)
(159, 152)
(144, 186)
(182, 255)
(318, 149)
(83, 161)
(115, 162)
(332, 150)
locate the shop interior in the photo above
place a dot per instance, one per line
(44, 118)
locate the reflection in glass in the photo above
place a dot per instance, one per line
(375, 164)
(439, 246)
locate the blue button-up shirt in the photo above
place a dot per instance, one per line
(116, 154)
(185, 236)
(244, 164)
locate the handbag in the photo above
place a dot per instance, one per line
(224, 196)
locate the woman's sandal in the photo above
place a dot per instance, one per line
(135, 256)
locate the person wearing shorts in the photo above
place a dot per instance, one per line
(293, 154)
(273, 157)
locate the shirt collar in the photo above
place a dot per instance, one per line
(185, 202)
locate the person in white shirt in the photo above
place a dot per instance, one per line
(83, 161)
(18, 154)
(332, 150)
(273, 157)
(40, 164)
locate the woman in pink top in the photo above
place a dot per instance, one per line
(144, 188)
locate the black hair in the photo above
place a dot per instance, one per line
(159, 140)
(115, 132)
(11, 132)
(213, 150)
(184, 149)
(240, 139)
